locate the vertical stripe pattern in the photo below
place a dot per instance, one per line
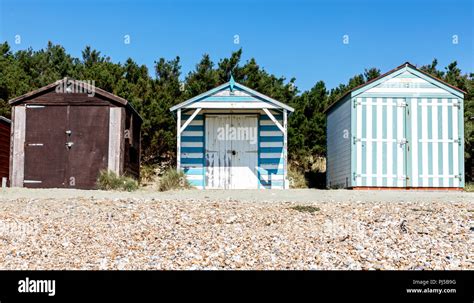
(414, 142)
(407, 132)
(359, 121)
(435, 148)
(379, 140)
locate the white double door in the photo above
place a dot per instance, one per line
(231, 143)
(409, 142)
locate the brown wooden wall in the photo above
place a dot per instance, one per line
(88, 120)
(53, 98)
(4, 148)
(132, 145)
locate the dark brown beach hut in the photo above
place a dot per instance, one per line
(65, 133)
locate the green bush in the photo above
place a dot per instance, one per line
(109, 180)
(173, 179)
(129, 184)
(147, 174)
(296, 177)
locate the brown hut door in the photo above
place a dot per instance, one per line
(45, 154)
(87, 145)
(65, 146)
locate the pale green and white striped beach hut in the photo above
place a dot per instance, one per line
(403, 129)
(233, 137)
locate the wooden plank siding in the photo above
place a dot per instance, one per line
(239, 107)
(115, 138)
(5, 130)
(131, 155)
(17, 156)
(406, 131)
(94, 133)
(271, 153)
(192, 149)
(430, 119)
(270, 150)
(338, 173)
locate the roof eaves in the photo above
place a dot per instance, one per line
(58, 82)
(200, 96)
(404, 65)
(4, 119)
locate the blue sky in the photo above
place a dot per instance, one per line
(291, 38)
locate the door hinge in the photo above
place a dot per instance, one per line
(402, 141)
(458, 141)
(357, 103)
(457, 104)
(355, 176)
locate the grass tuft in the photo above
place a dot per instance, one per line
(296, 177)
(469, 187)
(173, 179)
(305, 208)
(109, 180)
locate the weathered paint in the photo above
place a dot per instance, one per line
(230, 164)
(17, 158)
(5, 133)
(270, 166)
(208, 164)
(115, 137)
(74, 144)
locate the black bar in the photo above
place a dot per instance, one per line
(436, 286)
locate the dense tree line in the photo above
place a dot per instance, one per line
(26, 70)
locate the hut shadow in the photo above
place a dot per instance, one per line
(315, 179)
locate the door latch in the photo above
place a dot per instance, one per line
(69, 144)
(402, 104)
(68, 132)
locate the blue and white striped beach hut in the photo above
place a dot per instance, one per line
(233, 137)
(403, 129)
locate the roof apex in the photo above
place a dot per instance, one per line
(231, 84)
(97, 90)
(404, 65)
